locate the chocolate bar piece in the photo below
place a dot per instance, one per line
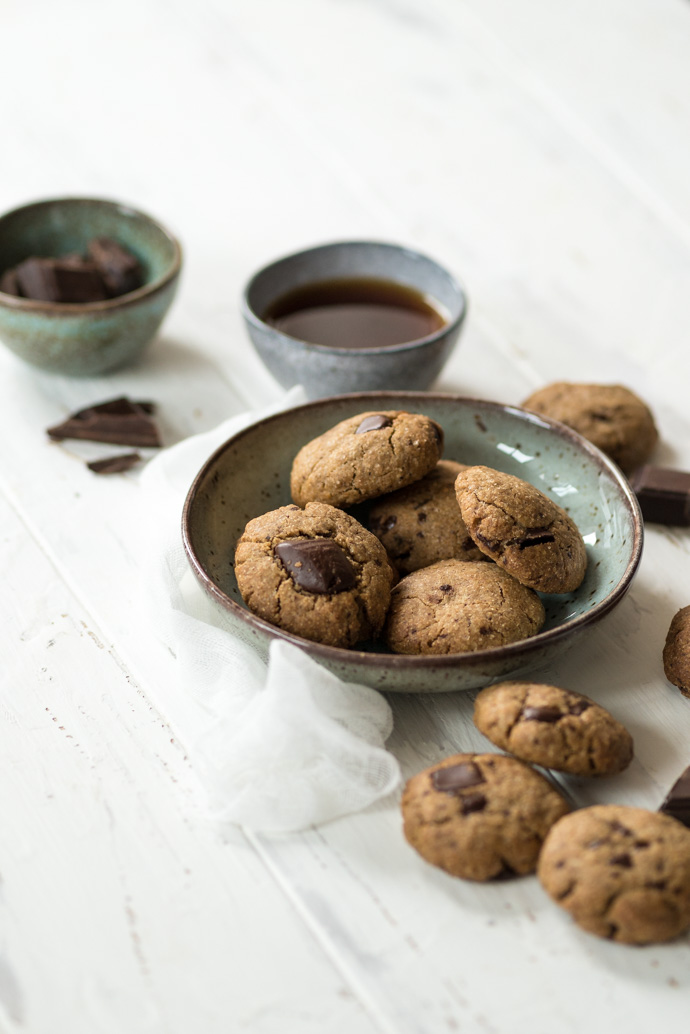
(35, 279)
(118, 421)
(55, 280)
(677, 803)
(663, 494)
(119, 268)
(75, 261)
(9, 283)
(79, 283)
(115, 464)
(109, 271)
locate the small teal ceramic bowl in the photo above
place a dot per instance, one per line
(250, 475)
(325, 370)
(82, 340)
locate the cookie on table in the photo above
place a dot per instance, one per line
(316, 573)
(553, 727)
(421, 524)
(457, 606)
(523, 530)
(622, 873)
(480, 816)
(610, 416)
(366, 456)
(676, 654)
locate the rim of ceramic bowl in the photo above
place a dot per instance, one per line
(420, 662)
(253, 317)
(11, 301)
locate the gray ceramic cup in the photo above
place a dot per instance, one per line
(326, 370)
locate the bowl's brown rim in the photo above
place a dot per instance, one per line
(335, 654)
(11, 301)
(251, 315)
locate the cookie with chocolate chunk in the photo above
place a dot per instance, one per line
(553, 727)
(622, 873)
(610, 416)
(523, 530)
(421, 524)
(480, 816)
(316, 573)
(457, 606)
(676, 654)
(364, 457)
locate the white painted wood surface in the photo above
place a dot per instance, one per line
(543, 152)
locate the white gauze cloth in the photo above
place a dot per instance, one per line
(278, 746)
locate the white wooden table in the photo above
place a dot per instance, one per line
(542, 151)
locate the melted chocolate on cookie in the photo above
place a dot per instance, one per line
(317, 565)
(374, 423)
(457, 777)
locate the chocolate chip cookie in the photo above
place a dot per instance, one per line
(480, 816)
(676, 655)
(622, 873)
(315, 572)
(553, 727)
(456, 606)
(610, 416)
(523, 530)
(421, 524)
(366, 456)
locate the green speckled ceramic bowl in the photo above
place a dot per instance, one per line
(92, 338)
(250, 475)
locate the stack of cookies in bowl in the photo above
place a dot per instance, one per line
(441, 558)
(398, 483)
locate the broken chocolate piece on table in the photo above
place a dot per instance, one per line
(118, 421)
(119, 268)
(677, 801)
(58, 280)
(115, 464)
(663, 494)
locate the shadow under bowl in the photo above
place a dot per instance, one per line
(250, 475)
(326, 370)
(89, 338)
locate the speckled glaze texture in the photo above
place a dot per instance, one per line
(250, 475)
(327, 371)
(93, 338)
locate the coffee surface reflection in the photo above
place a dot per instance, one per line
(355, 313)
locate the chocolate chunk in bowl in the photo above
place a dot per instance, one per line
(250, 475)
(120, 269)
(55, 280)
